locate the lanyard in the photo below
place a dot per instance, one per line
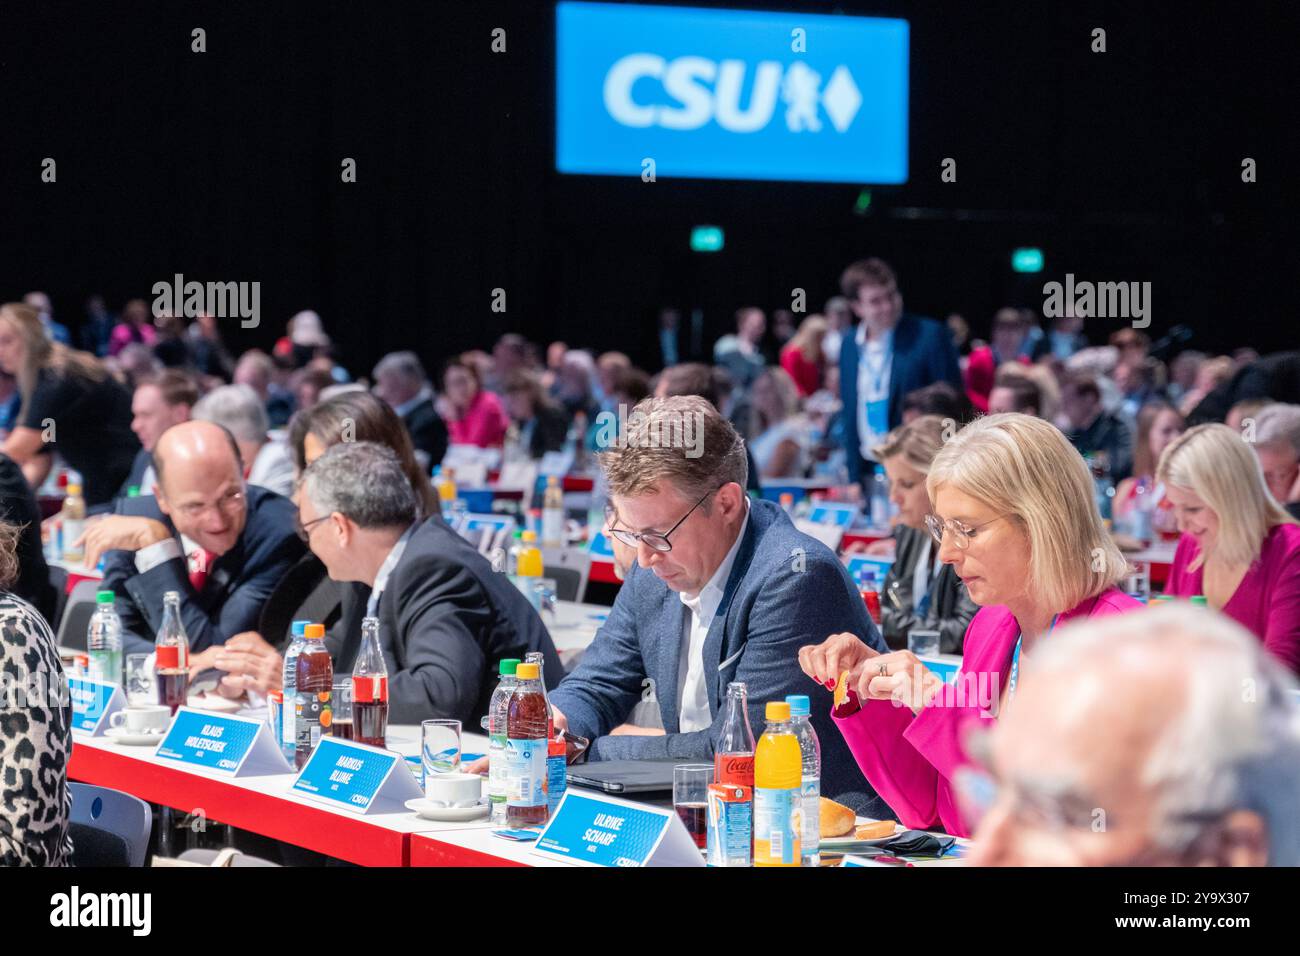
(1015, 661)
(876, 372)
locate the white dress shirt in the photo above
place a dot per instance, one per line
(875, 369)
(692, 686)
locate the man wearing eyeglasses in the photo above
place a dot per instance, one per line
(722, 589)
(221, 544)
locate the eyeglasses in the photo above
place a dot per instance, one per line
(653, 539)
(226, 504)
(304, 530)
(961, 533)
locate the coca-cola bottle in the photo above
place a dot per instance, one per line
(733, 761)
(172, 654)
(370, 688)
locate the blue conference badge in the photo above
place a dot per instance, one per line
(225, 743)
(355, 777)
(730, 94)
(93, 701)
(601, 831)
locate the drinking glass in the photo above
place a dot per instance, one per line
(1137, 581)
(923, 643)
(440, 746)
(139, 680)
(691, 798)
(341, 705)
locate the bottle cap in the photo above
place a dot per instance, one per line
(508, 666)
(133, 491)
(530, 536)
(105, 597)
(314, 631)
(1199, 600)
(74, 488)
(786, 497)
(799, 705)
(778, 710)
(526, 672)
(299, 628)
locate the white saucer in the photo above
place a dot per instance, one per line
(120, 735)
(425, 809)
(214, 703)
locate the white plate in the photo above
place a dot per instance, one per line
(849, 842)
(120, 735)
(214, 703)
(425, 810)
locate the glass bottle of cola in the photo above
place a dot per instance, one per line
(172, 654)
(370, 688)
(733, 762)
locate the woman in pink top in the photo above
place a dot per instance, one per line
(1014, 514)
(474, 415)
(1239, 546)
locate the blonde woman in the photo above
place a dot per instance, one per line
(781, 432)
(71, 405)
(1239, 547)
(920, 590)
(802, 357)
(1013, 513)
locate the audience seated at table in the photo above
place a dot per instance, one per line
(781, 433)
(474, 415)
(400, 381)
(446, 618)
(543, 425)
(160, 402)
(1239, 547)
(1013, 513)
(222, 544)
(919, 591)
(1158, 424)
(696, 378)
(253, 660)
(237, 409)
(723, 590)
(1134, 743)
(71, 405)
(35, 730)
(1099, 436)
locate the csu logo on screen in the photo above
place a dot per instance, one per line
(705, 90)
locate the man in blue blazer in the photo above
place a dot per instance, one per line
(221, 544)
(888, 355)
(723, 589)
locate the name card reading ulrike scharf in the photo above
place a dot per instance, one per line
(222, 742)
(352, 776)
(592, 830)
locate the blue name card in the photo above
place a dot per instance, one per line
(591, 830)
(93, 702)
(225, 743)
(839, 515)
(352, 776)
(600, 547)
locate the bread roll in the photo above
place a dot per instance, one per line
(836, 819)
(877, 830)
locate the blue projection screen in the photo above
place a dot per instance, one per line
(730, 94)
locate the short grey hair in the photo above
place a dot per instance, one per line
(406, 364)
(238, 409)
(1278, 424)
(1234, 744)
(364, 482)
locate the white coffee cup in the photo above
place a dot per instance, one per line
(453, 789)
(142, 718)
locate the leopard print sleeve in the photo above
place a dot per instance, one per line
(35, 741)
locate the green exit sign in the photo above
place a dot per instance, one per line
(706, 239)
(1027, 260)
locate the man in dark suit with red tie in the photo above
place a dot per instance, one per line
(222, 544)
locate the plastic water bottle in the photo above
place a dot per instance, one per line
(778, 817)
(104, 639)
(288, 734)
(810, 752)
(497, 713)
(879, 499)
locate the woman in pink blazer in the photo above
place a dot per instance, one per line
(1014, 514)
(1240, 548)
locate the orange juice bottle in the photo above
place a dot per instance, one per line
(778, 778)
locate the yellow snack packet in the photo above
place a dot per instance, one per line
(841, 689)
